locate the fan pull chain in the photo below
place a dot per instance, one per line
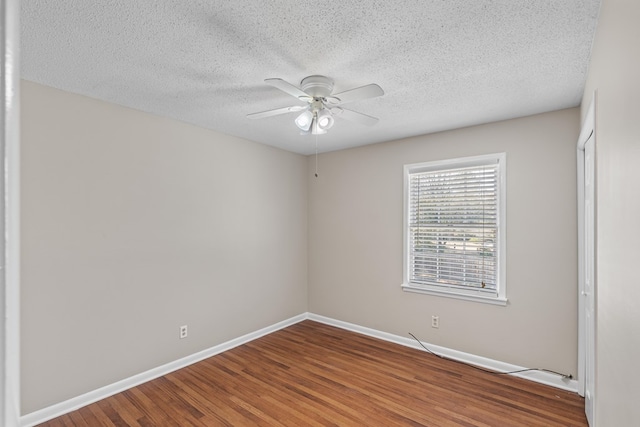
(316, 155)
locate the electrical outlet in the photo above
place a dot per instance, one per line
(435, 322)
(183, 331)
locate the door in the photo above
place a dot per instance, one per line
(588, 293)
(587, 285)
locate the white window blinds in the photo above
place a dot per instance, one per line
(453, 227)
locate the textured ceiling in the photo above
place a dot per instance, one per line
(442, 64)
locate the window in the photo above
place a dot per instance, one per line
(454, 228)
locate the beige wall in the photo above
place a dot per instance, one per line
(615, 75)
(133, 225)
(355, 242)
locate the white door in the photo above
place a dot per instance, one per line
(589, 288)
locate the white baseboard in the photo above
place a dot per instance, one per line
(78, 402)
(495, 365)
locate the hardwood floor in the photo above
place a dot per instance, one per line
(311, 374)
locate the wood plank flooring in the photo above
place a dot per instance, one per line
(311, 374)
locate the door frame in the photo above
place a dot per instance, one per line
(9, 216)
(587, 132)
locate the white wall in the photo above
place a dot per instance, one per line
(355, 242)
(615, 74)
(133, 225)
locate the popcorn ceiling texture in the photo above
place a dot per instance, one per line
(442, 64)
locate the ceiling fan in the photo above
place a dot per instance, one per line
(317, 116)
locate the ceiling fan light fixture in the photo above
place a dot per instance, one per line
(304, 120)
(316, 129)
(325, 119)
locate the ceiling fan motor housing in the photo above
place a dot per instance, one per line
(317, 86)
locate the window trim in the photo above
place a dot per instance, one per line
(500, 296)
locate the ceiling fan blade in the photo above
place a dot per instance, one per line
(288, 88)
(354, 116)
(351, 95)
(276, 112)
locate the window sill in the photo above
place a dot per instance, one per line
(457, 295)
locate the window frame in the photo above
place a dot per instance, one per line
(499, 297)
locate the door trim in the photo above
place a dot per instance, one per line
(10, 211)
